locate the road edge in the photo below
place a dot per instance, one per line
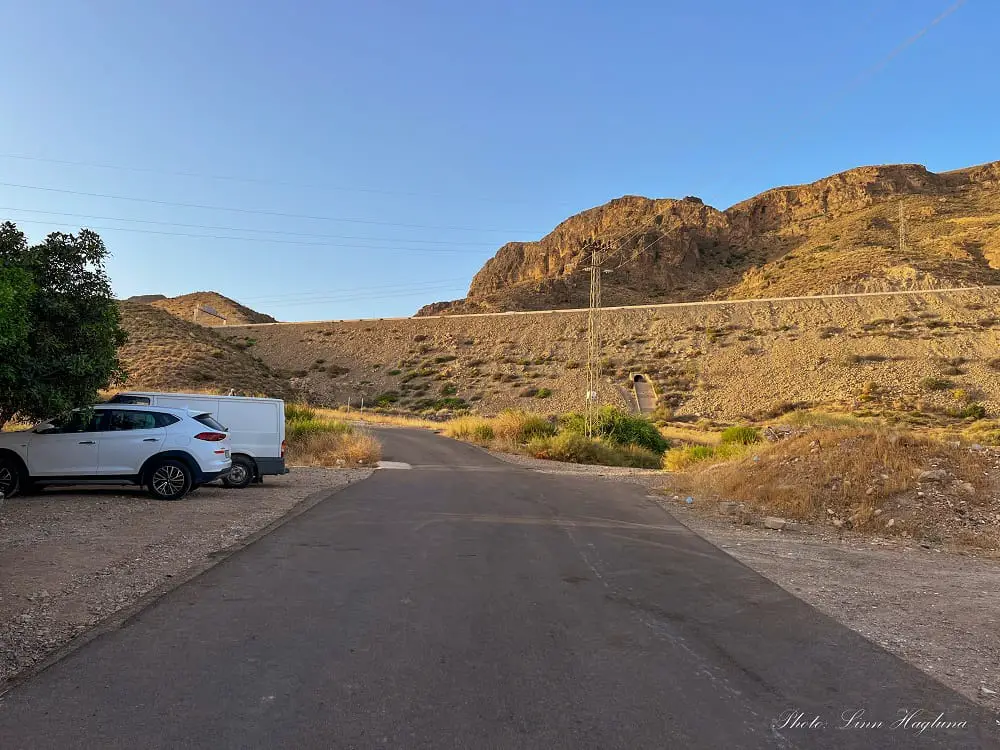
(120, 618)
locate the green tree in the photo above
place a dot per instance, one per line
(59, 296)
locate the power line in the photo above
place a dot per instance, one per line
(331, 293)
(358, 297)
(256, 180)
(243, 229)
(259, 212)
(264, 240)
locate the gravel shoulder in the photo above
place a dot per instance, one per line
(936, 608)
(71, 558)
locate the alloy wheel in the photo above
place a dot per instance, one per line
(168, 480)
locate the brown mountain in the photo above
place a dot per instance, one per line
(233, 312)
(164, 352)
(836, 235)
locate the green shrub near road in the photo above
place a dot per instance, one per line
(739, 435)
(622, 428)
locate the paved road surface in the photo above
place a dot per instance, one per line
(466, 603)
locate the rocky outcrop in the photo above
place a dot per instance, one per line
(682, 250)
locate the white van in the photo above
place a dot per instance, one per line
(256, 428)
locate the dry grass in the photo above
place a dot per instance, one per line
(332, 449)
(861, 476)
(317, 439)
(374, 417)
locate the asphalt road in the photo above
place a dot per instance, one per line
(468, 603)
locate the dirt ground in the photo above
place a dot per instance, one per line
(70, 558)
(935, 607)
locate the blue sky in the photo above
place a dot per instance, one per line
(442, 129)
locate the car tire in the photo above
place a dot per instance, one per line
(241, 474)
(169, 479)
(10, 477)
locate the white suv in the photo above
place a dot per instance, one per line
(169, 451)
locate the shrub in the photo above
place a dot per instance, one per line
(543, 393)
(572, 364)
(445, 358)
(449, 389)
(302, 428)
(934, 383)
(387, 399)
(740, 435)
(970, 411)
(617, 426)
(572, 447)
(521, 426)
(298, 412)
(393, 372)
(528, 393)
(477, 429)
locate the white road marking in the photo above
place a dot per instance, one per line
(393, 465)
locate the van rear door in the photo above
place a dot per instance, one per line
(254, 426)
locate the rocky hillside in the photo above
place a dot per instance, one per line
(918, 358)
(164, 352)
(839, 234)
(234, 313)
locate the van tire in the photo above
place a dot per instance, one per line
(241, 474)
(169, 479)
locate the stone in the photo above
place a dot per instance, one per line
(986, 691)
(967, 488)
(773, 522)
(932, 475)
(728, 508)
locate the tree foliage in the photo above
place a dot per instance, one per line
(60, 329)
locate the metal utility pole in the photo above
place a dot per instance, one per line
(594, 336)
(902, 230)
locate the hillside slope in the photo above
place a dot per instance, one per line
(836, 235)
(164, 352)
(234, 313)
(917, 356)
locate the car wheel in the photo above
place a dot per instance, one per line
(240, 475)
(10, 477)
(169, 480)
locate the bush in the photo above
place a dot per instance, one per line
(449, 389)
(934, 383)
(393, 372)
(528, 393)
(543, 393)
(970, 411)
(298, 412)
(387, 399)
(622, 428)
(521, 426)
(477, 429)
(571, 447)
(302, 428)
(739, 435)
